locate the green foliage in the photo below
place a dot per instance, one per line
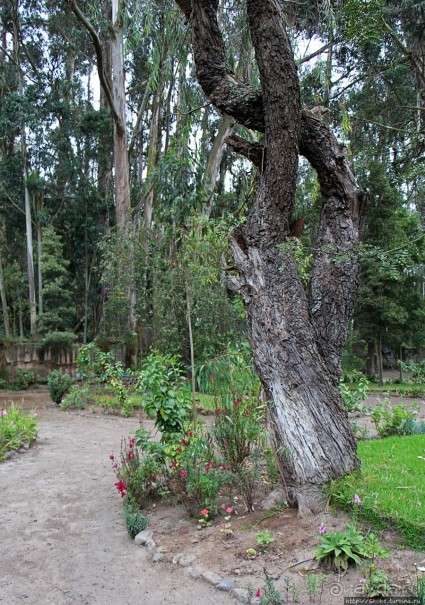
(91, 361)
(57, 342)
(417, 371)
(315, 584)
(354, 394)
(394, 420)
(138, 474)
(24, 379)
(391, 486)
(58, 384)
(58, 305)
(134, 520)
(349, 546)
(269, 595)
(166, 398)
(238, 426)
(377, 583)
(232, 370)
(16, 429)
(264, 539)
(78, 397)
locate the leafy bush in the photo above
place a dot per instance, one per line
(58, 384)
(91, 360)
(16, 429)
(166, 397)
(134, 520)
(354, 393)
(24, 379)
(349, 546)
(394, 420)
(57, 342)
(417, 371)
(78, 397)
(238, 426)
(139, 473)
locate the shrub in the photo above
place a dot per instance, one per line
(78, 397)
(238, 427)
(166, 396)
(354, 393)
(91, 360)
(394, 420)
(56, 342)
(16, 429)
(24, 379)
(134, 520)
(58, 384)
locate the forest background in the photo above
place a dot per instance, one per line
(117, 194)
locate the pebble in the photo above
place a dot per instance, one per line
(241, 594)
(226, 585)
(150, 544)
(211, 577)
(143, 536)
(158, 556)
(186, 560)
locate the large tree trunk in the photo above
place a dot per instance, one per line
(297, 339)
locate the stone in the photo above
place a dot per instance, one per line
(150, 544)
(143, 536)
(158, 556)
(177, 557)
(275, 498)
(163, 549)
(211, 577)
(194, 572)
(186, 560)
(241, 594)
(226, 585)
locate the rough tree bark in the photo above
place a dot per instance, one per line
(296, 338)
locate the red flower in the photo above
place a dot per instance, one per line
(132, 442)
(112, 457)
(190, 433)
(174, 464)
(121, 487)
(184, 473)
(218, 412)
(179, 449)
(185, 442)
(258, 594)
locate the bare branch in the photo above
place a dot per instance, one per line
(100, 60)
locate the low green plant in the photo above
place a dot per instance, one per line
(315, 585)
(134, 520)
(418, 589)
(139, 474)
(59, 385)
(349, 546)
(393, 420)
(121, 392)
(416, 369)
(91, 361)
(16, 429)
(377, 582)
(78, 397)
(24, 379)
(166, 398)
(353, 394)
(238, 426)
(264, 539)
(269, 595)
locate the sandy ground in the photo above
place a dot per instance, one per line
(62, 537)
(63, 540)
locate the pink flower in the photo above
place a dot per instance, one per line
(357, 499)
(204, 512)
(258, 594)
(321, 529)
(121, 487)
(4, 412)
(35, 414)
(184, 473)
(112, 457)
(229, 510)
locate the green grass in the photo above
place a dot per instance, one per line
(391, 486)
(207, 403)
(16, 429)
(402, 389)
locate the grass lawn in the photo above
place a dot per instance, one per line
(391, 486)
(402, 389)
(207, 403)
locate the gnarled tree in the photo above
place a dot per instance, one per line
(297, 339)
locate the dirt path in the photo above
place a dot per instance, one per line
(62, 537)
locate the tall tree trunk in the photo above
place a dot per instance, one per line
(5, 310)
(121, 164)
(28, 214)
(296, 339)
